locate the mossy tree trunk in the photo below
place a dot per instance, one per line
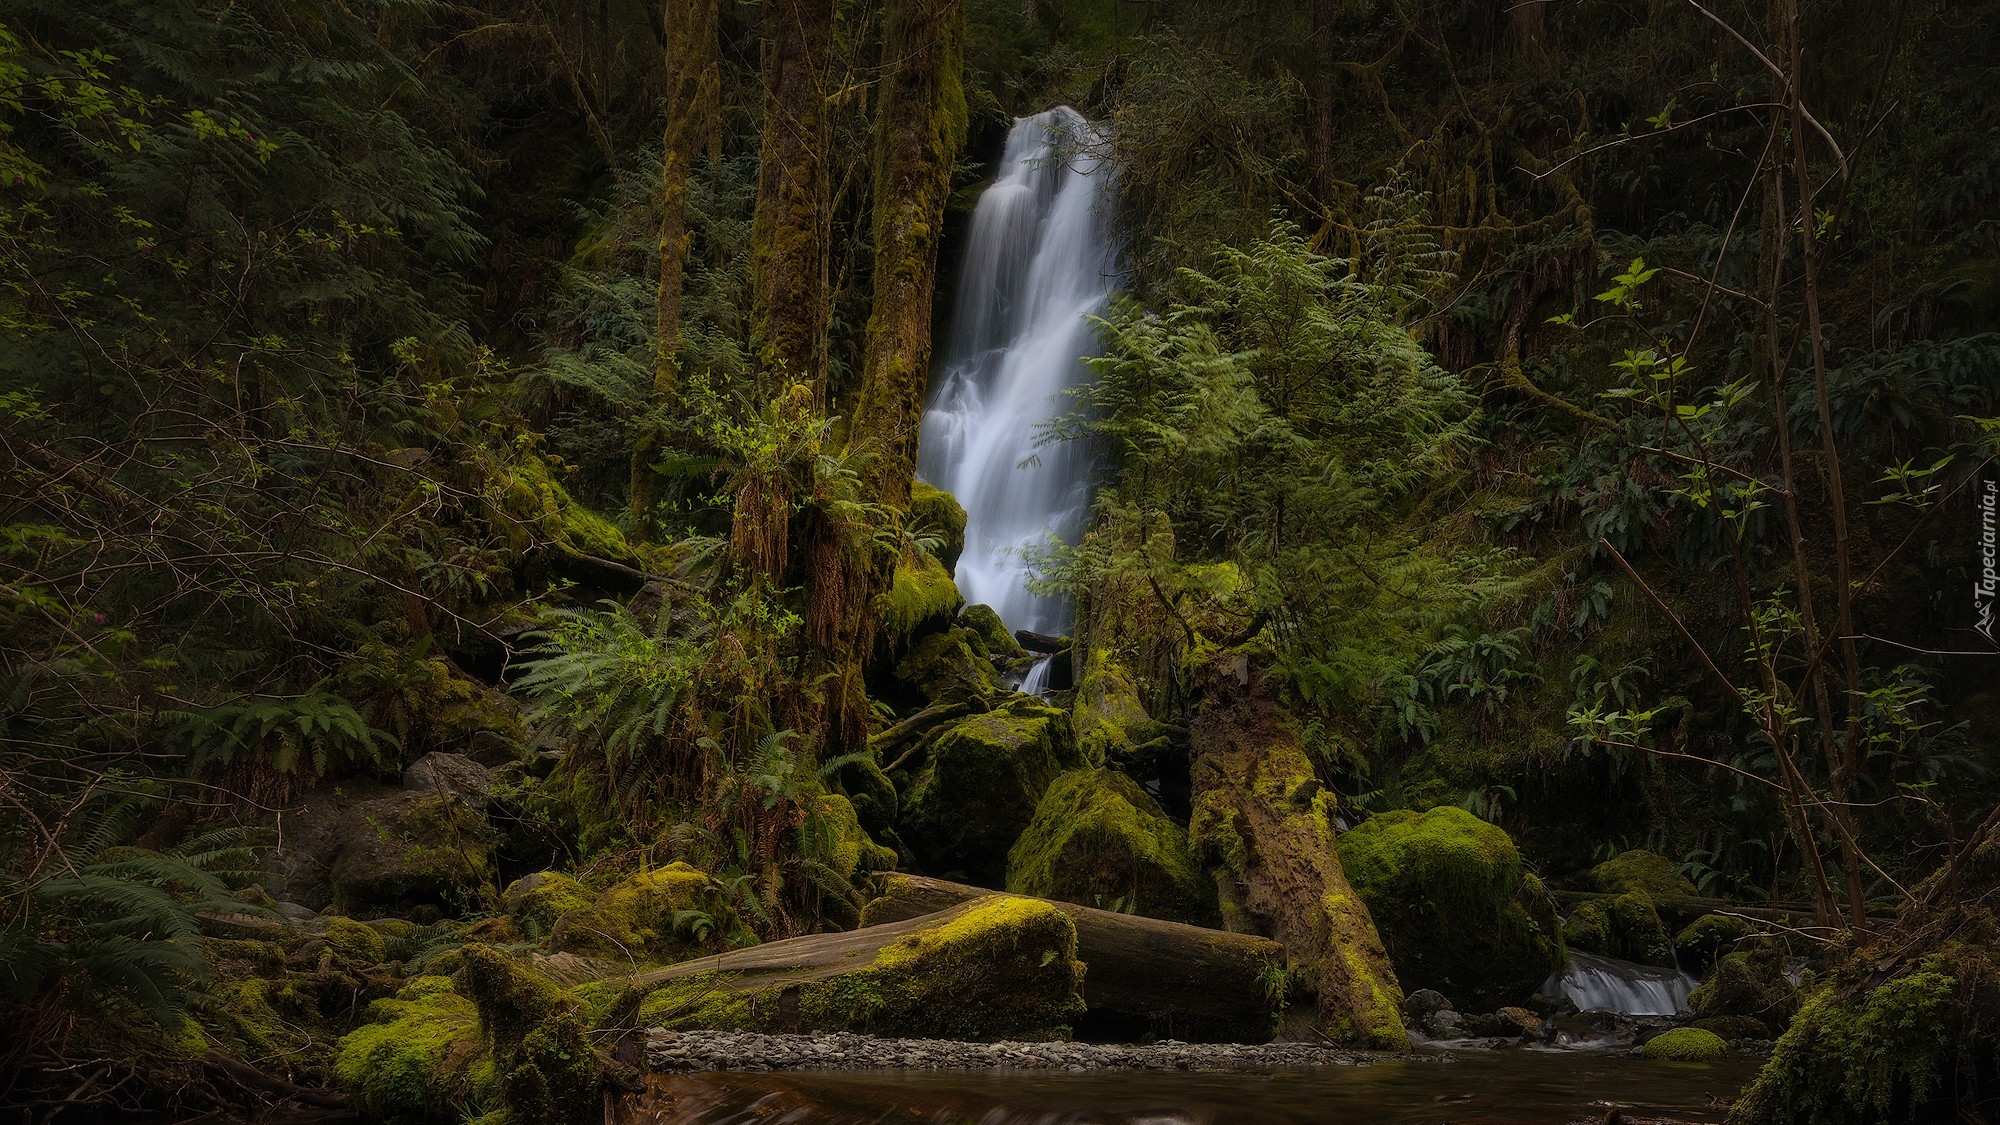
(691, 91)
(789, 235)
(1264, 825)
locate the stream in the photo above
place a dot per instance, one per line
(1530, 1087)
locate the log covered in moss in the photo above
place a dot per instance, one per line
(1146, 975)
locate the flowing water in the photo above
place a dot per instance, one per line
(1602, 984)
(1039, 261)
(1513, 1086)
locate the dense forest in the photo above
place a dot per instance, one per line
(463, 556)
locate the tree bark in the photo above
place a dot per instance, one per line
(1145, 975)
(691, 82)
(1326, 66)
(789, 235)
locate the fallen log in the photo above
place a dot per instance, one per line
(1041, 642)
(1145, 977)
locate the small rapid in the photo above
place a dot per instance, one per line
(1604, 984)
(1040, 261)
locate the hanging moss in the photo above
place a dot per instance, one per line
(1453, 907)
(1686, 1044)
(419, 1056)
(1098, 839)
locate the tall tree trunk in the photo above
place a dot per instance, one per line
(1320, 132)
(691, 81)
(922, 123)
(790, 230)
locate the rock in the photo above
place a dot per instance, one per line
(493, 749)
(1455, 910)
(1626, 927)
(1446, 1024)
(1048, 643)
(538, 900)
(1750, 984)
(989, 635)
(1702, 941)
(455, 774)
(995, 967)
(1421, 1005)
(1097, 839)
(419, 1055)
(1265, 829)
(656, 916)
(849, 851)
(1640, 872)
(686, 1051)
(236, 926)
(297, 912)
(409, 848)
(937, 513)
(871, 793)
(1147, 977)
(921, 599)
(941, 667)
(1111, 719)
(980, 784)
(1524, 1023)
(1685, 1044)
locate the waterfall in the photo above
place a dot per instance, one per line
(1040, 259)
(1605, 984)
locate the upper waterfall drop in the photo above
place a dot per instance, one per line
(1040, 260)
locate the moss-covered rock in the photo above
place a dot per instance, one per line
(921, 599)
(1640, 872)
(1686, 1044)
(942, 667)
(548, 1072)
(1098, 839)
(1705, 939)
(937, 514)
(1750, 984)
(980, 785)
(419, 1056)
(989, 635)
(872, 794)
(1110, 717)
(539, 900)
(846, 846)
(410, 849)
(1626, 927)
(1453, 906)
(355, 942)
(658, 916)
(994, 968)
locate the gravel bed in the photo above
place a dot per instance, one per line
(743, 1050)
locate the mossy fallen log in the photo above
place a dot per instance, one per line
(998, 968)
(1145, 976)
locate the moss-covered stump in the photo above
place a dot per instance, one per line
(657, 916)
(1685, 1044)
(408, 849)
(942, 667)
(980, 784)
(419, 1056)
(996, 968)
(1265, 828)
(921, 599)
(1704, 940)
(1148, 978)
(1748, 988)
(937, 514)
(1455, 909)
(1097, 839)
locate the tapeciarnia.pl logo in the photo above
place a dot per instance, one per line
(1986, 591)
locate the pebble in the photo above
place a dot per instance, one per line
(749, 1050)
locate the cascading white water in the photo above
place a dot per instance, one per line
(1040, 260)
(1604, 984)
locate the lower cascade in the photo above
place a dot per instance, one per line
(1606, 984)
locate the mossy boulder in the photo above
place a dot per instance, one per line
(1685, 1044)
(659, 916)
(537, 901)
(1111, 719)
(1454, 908)
(355, 942)
(1749, 984)
(1640, 872)
(846, 846)
(921, 599)
(548, 1071)
(535, 509)
(871, 793)
(937, 514)
(1626, 927)
(988, 634)
(410, 849)
(1098, 839)
(1702, 941)
(420, 1056)
(980, 785)
(994, 968)
(942, 667)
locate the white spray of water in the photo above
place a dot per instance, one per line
(1605, 984)
(1040, 260)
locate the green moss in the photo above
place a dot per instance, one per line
(534, 507)
(1859, 1059)
(664, 915)
(1110, 716)
(1588, 928)
(846, 846)
(981, 783)
(413, 849)
(537, 901)
(872, 794)
(942, 666)
(1455, 912)
(548, 1071)
(356, 941)
(1098, 839)
(1750, 984)
(420, 1056)
(1705, 939)
(938, 514)
(1686, 1044)
(1640, 872)
(989, 633)
(922, 598)
(995, 968)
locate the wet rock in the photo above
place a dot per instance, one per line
(1421, 1005)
